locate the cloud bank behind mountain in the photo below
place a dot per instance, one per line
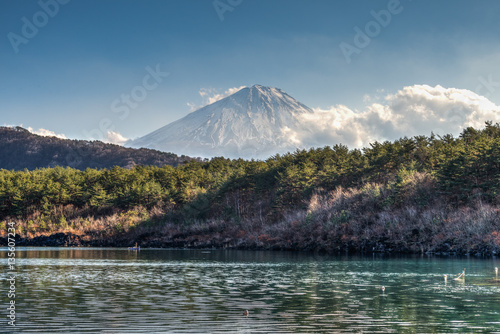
(413, 110)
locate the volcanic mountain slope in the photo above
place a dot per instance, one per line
(251, 123)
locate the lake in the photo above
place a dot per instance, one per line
(96, 290)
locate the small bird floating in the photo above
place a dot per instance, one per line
(460, 276)
(383, 288)
(245, 313)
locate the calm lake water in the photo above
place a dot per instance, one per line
(72, 290)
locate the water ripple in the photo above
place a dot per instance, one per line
(117, 291)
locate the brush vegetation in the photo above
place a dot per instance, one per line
(420, 194)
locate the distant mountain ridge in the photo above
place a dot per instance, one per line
(21, 149)
(251, 123)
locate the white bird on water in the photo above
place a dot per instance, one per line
(460, 276)
(496, 271)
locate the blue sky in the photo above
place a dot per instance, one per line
(91, 52)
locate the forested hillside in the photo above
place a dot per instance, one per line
(422, 194)
(21, 149)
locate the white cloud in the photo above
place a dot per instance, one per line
(46, 133)
(192, 106)
(210, 95)
(421, 109)
(414, 110)
(113, 137)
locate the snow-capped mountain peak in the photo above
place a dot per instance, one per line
(251, 123)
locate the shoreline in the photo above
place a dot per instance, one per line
(68, 239)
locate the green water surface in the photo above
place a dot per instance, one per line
(74, 290)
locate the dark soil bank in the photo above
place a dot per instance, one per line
(205, 241)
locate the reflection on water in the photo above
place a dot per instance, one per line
(183, 291)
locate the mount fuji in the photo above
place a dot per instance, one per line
(251, 123)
